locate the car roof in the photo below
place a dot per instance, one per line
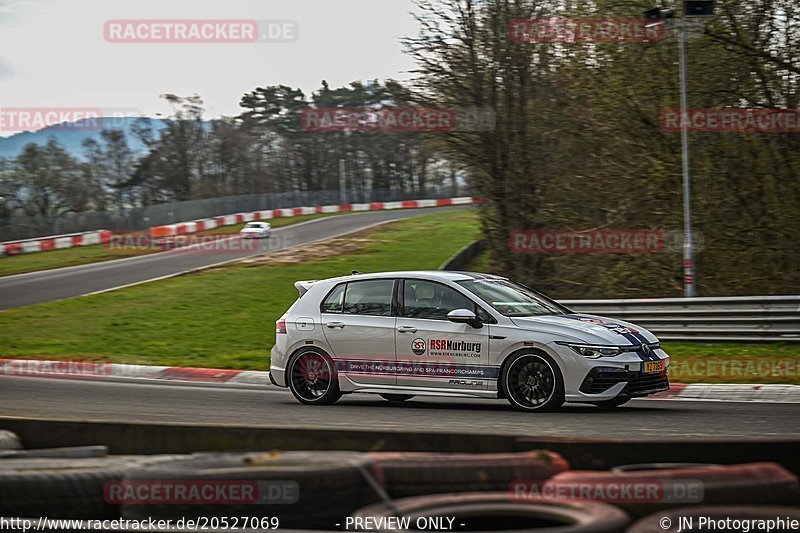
(451, 275)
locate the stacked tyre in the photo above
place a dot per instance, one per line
(336, 490)
(471, 492)
(412, 474)
(490, 511)
(766, 484)
(311, 490)
(60, 488)
(644, 489)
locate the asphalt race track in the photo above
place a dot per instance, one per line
(126, 401)
(47, 286)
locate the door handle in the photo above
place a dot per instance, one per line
(407, 329)
(335, 324)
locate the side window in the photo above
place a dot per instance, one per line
(426, 299)
(333, 303)
(369, 297)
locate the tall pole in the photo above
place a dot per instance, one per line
(342, 184)
(688, 250)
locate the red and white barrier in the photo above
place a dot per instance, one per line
(182, 228)
(55, 242)
(59, 242)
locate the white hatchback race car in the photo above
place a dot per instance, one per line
(256, 230)
(444, 333)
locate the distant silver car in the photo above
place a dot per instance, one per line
(402, 334)
(256, 230)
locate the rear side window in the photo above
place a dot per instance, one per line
(335, 300)
(369, 297)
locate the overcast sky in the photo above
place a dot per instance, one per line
(53, 52)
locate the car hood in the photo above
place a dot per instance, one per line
(591, 329)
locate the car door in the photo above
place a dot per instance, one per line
(359, 326)
(432, 352)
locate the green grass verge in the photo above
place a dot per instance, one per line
(221, 318)
(19, 264)
(734, 363)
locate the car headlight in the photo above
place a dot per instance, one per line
(594, 351)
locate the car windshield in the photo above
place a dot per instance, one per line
(254, 225)
(512, 299)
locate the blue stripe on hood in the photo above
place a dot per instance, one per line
(634, 338)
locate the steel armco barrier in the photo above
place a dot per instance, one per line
(737, 318)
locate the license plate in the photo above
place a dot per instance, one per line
(652, 367)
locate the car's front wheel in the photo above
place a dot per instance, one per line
(312, 378)
(532, 381)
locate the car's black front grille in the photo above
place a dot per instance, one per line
(647, 384)
(603, 378)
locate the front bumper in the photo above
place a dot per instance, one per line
(600, 379)
(606, 378)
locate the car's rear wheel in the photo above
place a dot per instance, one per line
(312, 378)
(531, 381)
(397, 397)
(612, 404)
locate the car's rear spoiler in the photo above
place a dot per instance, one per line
(303, 286)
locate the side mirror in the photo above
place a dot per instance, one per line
(464, 316)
